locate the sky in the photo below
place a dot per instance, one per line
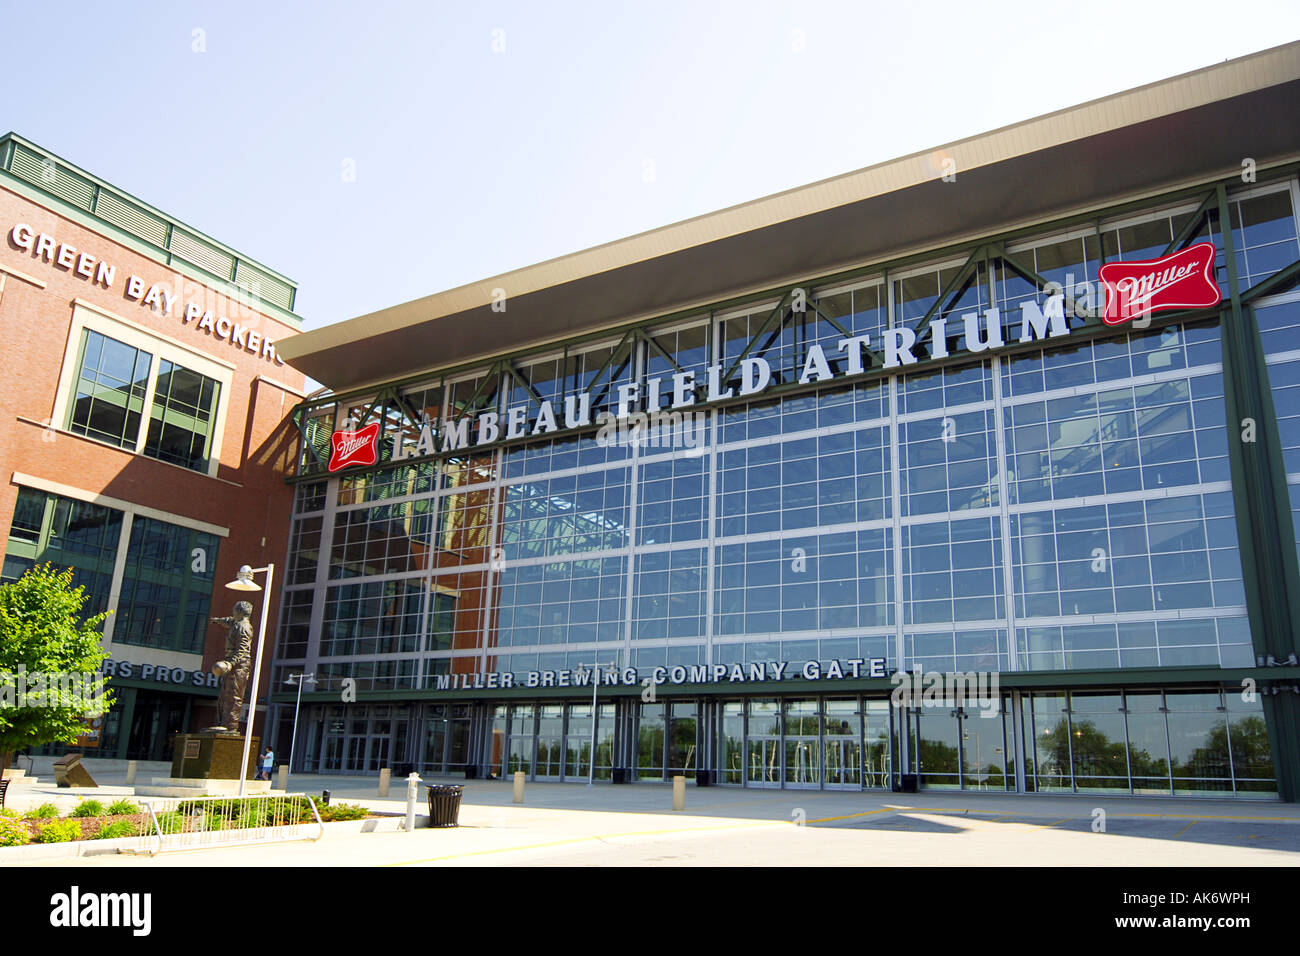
(380, 152)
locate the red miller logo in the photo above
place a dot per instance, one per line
(1184, 280)
(360, 447)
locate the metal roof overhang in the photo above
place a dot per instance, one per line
(1045, 171)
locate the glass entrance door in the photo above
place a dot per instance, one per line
(577, 743)
(803, 745)
(763, 744)
(843, 745)
(378, 758)
(876, 762)
(764, 762)
(519, 751)
(731, 743)
(938, 734)
(550, 742)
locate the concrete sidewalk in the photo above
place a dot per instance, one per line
(728, 802)
(571, 824)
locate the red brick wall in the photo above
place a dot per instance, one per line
(248, 495)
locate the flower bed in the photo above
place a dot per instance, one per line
(90, 820)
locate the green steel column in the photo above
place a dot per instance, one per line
(1264, 527)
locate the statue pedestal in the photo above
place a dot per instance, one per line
(206, 763)
(212, 756)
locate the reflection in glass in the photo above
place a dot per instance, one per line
(843, 745)
(1252, 760)
(1049, 729)
(650, 742)
(1097, 745)
(577, 742)
(731, 742)
(1148, 745)
(983, 750)
(550, 730)
(937, 731)
(682, 740)
(1198, 743)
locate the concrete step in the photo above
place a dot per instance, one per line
(198, 787)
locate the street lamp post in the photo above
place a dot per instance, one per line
(298, 679)
(244, 582)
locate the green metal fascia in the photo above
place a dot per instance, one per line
(875, 269)
(1009, 680)
(135, 682)
(161, 256)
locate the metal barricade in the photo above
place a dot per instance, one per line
(196, 823)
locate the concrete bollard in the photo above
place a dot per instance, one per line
(412, 794)
(132, 767)
(519, 786)
(385, 776)
(679, 793)
(282, 777)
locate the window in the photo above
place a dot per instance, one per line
(166, 586)
(112, 380)
(184, 411)
(68, 534)
(125, 393)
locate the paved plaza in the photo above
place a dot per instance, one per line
(634, 825)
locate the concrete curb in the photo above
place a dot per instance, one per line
(75, 849)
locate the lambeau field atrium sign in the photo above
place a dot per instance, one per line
(1128, 291)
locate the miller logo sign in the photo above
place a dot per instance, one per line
(1184, 280)
(360, 447)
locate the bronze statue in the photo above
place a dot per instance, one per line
(233, 670)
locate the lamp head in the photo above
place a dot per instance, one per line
(244, 580)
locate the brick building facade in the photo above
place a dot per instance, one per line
(143, 439)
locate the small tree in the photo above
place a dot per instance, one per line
(49, 662)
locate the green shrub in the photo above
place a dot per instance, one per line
(237, 812)
(46, 811)
(59, 831)
(122, 807)
(343, 811)
(171, 822)
(88, 808)
(13, 832)
(116, 830)
(255, 813)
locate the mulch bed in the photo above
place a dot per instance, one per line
(89, 825)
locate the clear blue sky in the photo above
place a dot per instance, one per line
(488, 136)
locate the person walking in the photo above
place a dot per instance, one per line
(268, 763)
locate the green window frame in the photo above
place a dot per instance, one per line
(69, 534)
(109, 390)
(113, 383)
(166, 586)
(183, 416)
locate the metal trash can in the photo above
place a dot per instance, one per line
(444, 805)
(906, 783)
